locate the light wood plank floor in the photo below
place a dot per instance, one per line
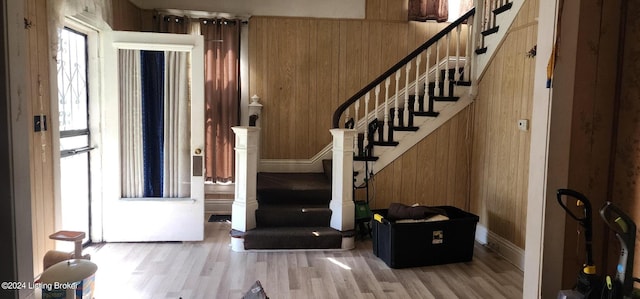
(210, 269)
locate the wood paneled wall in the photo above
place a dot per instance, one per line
(303, 69)
(126, 16)
(591, 128)
(626, 176)
(433, 172)
(42, 189)
(500, 153)
(389, 10)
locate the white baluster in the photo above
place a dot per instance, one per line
(436, 89)
(355, 125)
(346, 114)
(377, 99)
(355, 114)
(366, 120)
(385, 125)
(485, 14)
(446, 68)
(492, 20)
(468, 49)
(377, 93)
(427, 77)
(417, 87)
(456, 73)
(405, 112)
(396, 113)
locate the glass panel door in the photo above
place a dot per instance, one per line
(74, 132)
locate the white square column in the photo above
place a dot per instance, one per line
(245, 204)
(342, 206)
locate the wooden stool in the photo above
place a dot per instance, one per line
(53, 257)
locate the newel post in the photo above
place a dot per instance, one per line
(255, 111)
(342, 206)
(244, 206)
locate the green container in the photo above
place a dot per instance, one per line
(362, 210)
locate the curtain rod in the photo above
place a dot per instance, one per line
(195, 14)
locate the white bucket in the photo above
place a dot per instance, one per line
(68, 279)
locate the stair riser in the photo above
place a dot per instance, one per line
(293, 238)
(287, 197)
(293, 218)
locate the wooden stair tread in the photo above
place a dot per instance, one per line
(386, 143)
(503, 8)
(405, 129)
(361, 158)
(426, 113)
(446, 99)
(490, 31)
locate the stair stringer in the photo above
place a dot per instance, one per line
(493, 41)
(427, 125)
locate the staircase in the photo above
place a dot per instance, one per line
(389, 115)
(293, 213)
(412, 99)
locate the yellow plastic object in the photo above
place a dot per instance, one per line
(378, 217)
(622, 224)
(579, 203)
(609, 284)
(589, 270)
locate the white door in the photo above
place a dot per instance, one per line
(159, 217)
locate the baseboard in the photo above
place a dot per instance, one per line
(297, 165)
(219, 188)
(218, 206)
(506, 249)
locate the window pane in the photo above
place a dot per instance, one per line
(72, 80)
(74, 142)
(74, 193)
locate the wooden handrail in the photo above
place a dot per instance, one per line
(397, 66)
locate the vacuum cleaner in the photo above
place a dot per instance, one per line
(588, 284)
(621, 285)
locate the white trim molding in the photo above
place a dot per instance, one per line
(297, 165)
(506, 249)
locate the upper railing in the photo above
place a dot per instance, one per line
(433, 42)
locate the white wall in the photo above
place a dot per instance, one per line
(346, 9)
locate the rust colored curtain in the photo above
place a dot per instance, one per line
(222, 95)
(423, 10)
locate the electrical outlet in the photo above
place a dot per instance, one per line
(523, 125)
(39, 123)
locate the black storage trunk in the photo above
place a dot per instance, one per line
(402, 245)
